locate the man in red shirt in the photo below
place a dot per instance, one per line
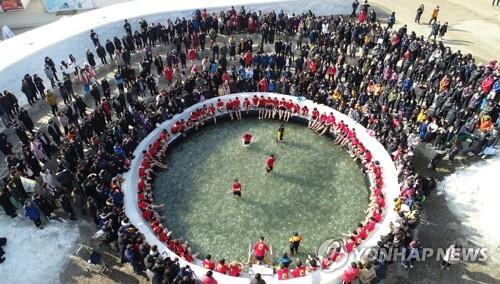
(236, 188)
(350, 274)
(270, 163)
(208, 278)
(246, 138)
(283, 273)
(222, 267)
(260, 249)
(207, 263)
(235, 268)
(299, 271)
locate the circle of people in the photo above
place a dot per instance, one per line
(405, 88)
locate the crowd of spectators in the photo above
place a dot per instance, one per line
(403, 87)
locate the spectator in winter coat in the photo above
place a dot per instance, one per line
(90, 58)
(54, 131)
(31, 211)
(65, 201)
(28, 91)
(110, 48)
(101, 52)
(25, 118)
(5, 202)
(131, 257)
(51, 101)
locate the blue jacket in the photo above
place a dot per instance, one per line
(31, 212)
(129, 255)
(407, 83)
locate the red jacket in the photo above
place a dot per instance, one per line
(168, 73)
(192, 54)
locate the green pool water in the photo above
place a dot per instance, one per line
(315, 189)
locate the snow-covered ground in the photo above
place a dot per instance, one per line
(34, 255)
(473, 195)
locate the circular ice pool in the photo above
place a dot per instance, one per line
(315, 189)
(390, 190)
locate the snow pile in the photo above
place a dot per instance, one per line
(34, 255)
(472, 195)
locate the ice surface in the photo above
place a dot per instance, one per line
(25, 53)
(472, 194)
(34, 255)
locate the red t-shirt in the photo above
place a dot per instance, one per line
(163, 236)
(363, 234)
(247, 137)
(163, 136)
(349, 246)
(147, 214)
(255, 100)
(260, 249)
(234, 270)
(236, 187)
(376, 216)
(209, 280)
(188, 257)
(299, 272)
(261, 101)
(220, 104)
(221, 268)
(283, 274)
(368, 156)
(305, 110)
(208, 264)
(315, 114)
(143, 205)
(236, 103)
(270, 162)
(380, 201)
(370, 226)
(334, 255)
(141, 185)
(350, 274)
(246, 103)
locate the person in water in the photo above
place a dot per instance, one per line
(270, 163)
(236, 188)
(281, 132)
(246, 139)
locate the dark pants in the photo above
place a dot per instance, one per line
(54, 109)
(38, 222)
(417, 18)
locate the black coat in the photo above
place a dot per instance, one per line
(101, 52)
(55, 132)
(44, 205)
(26, 120)
(110, 47)
(6, 204)
(90, 58)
